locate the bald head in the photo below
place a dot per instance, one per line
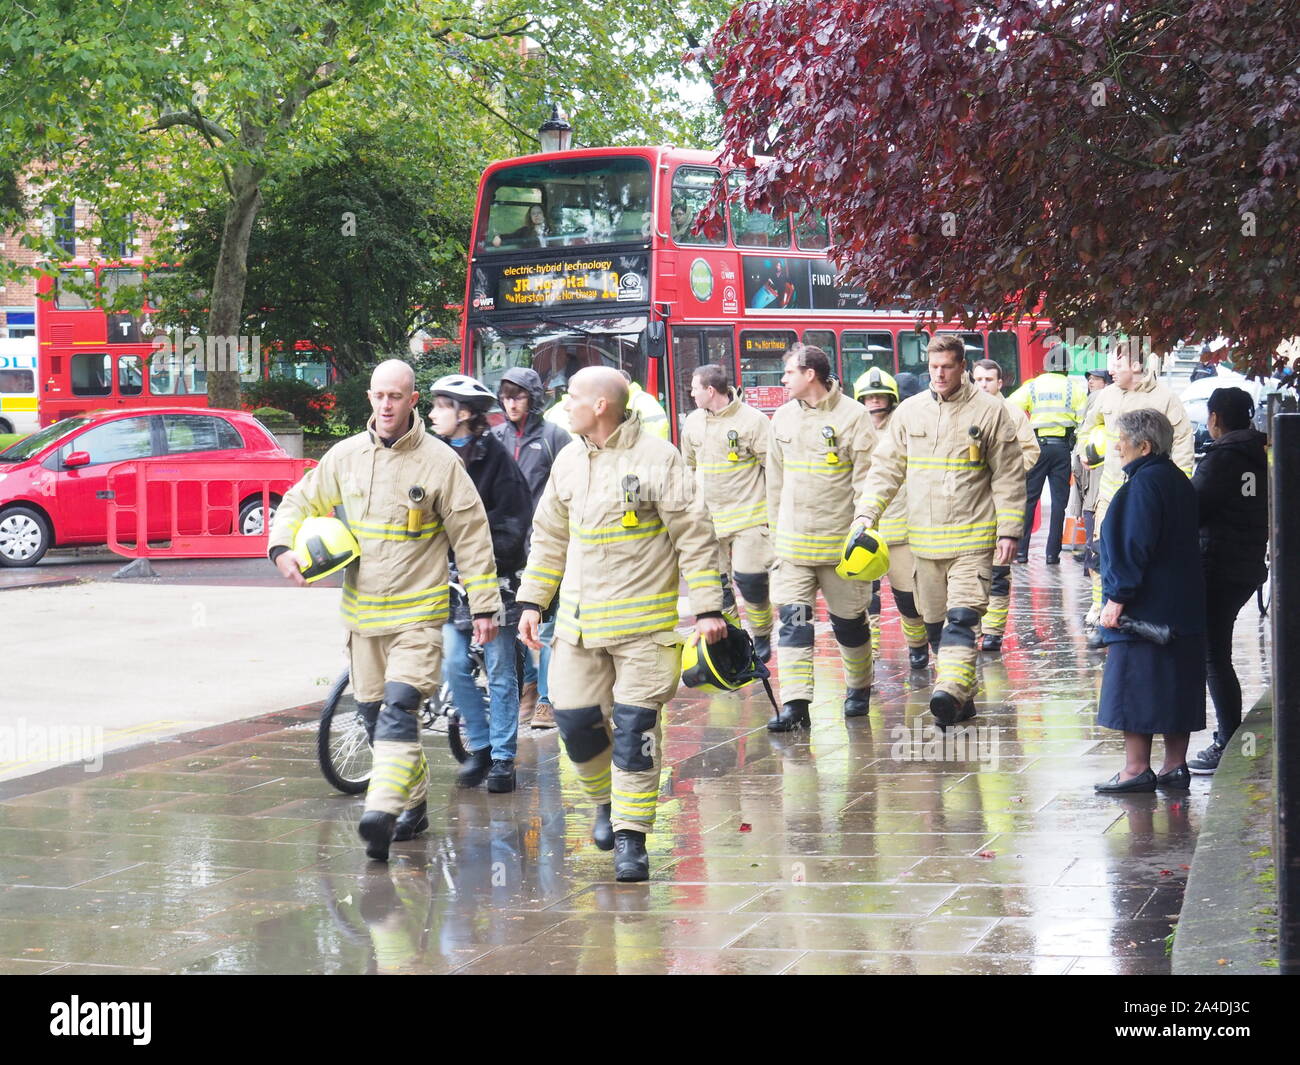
(597, 401)
(393, 373)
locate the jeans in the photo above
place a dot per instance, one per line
(535, 672)
(1053, 466)
(503, 688)
(1223, 602)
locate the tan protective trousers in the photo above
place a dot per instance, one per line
(955, 590)
(745, 558)
(608, 707)
(391, 675)
(794, 589)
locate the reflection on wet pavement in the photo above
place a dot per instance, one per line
(861, 847)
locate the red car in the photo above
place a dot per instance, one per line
(54, 483)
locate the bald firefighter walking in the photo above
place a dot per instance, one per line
(618, 525)
(820, 451)
(956, 450)
(725, 442)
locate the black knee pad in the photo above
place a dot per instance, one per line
(962, 623)
(906, 603)
(796, 625)
(398, 717)
(1001, 583)
(631, 723)
(754, 587)
(851, 632)
(369, 715)
(583, 732)
(934, 633)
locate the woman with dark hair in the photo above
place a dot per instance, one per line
(1150, 572)
(1232, 502)
(459, 418)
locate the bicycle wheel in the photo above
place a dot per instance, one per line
(455, 736)
(342, 746)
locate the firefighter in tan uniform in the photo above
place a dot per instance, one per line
(988, 378)
(1132, 388)
(408, 500)
(725, 442)
(956, 449)
(820, 451)
(618, 525)
(878, 392)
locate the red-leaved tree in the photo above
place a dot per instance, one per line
(1127, 166)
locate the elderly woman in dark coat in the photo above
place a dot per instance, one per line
(1151, 571)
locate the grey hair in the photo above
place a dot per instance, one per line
(1146, 425)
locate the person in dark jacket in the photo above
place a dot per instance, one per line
(459, 417)
(1150, 571)
(534, 442)
(1232, 501)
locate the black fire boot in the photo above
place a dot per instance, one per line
(602, 832)
(412, 823)
(376, 828)
(918, 657)
(856, 702)
(791, 716)
(763, 646)
(475, 768)
(630, 861)
(991, 643)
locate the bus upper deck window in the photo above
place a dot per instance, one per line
(754, 228)
(689, 219)
(66, 296)
(811, 232)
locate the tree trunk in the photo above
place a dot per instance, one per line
(226, 311)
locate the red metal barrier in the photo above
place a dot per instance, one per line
(193, 505)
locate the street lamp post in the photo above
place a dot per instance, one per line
(555, 133)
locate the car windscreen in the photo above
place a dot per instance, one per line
(39, 441)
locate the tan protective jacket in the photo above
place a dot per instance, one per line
(1111, 402)
(617, 581)
(893, 522)
(1029, 444)
(728, 451)
(400, 581)
(817, 464)
(964, 469)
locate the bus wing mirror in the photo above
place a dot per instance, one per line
(76, 459)
(655, 335)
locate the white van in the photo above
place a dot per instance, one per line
(18, 385)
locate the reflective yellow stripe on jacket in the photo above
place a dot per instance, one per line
(973, 537)
(369, 530)
(615, 534)
(809, 549)
(734, 519)
(379, 611)
(615, 618)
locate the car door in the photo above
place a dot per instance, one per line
(82, 492)
(203, 437)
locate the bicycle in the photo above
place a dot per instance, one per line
(343, 745)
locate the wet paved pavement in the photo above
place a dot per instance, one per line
(853, 849)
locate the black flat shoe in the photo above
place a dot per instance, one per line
(1176, 778)
(1144, 781)
(474, 769)
(501, 777)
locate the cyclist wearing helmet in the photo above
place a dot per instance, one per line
(459, 417)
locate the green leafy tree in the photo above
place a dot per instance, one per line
(153, 106)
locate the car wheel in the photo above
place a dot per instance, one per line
(251, 522)
(24, 537)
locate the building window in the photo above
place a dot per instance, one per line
(65, 229)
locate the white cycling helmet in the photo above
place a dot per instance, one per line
(473, 394)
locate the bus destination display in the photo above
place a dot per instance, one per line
(561, 282)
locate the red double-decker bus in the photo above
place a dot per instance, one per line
(92, 359)
(601, 257)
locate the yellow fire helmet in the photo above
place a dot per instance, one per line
(865, 556)
(724, 666)
(1094, 452)
(875, 382)
(324, 546)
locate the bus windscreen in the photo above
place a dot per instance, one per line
(566, 203)
(559, 348)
